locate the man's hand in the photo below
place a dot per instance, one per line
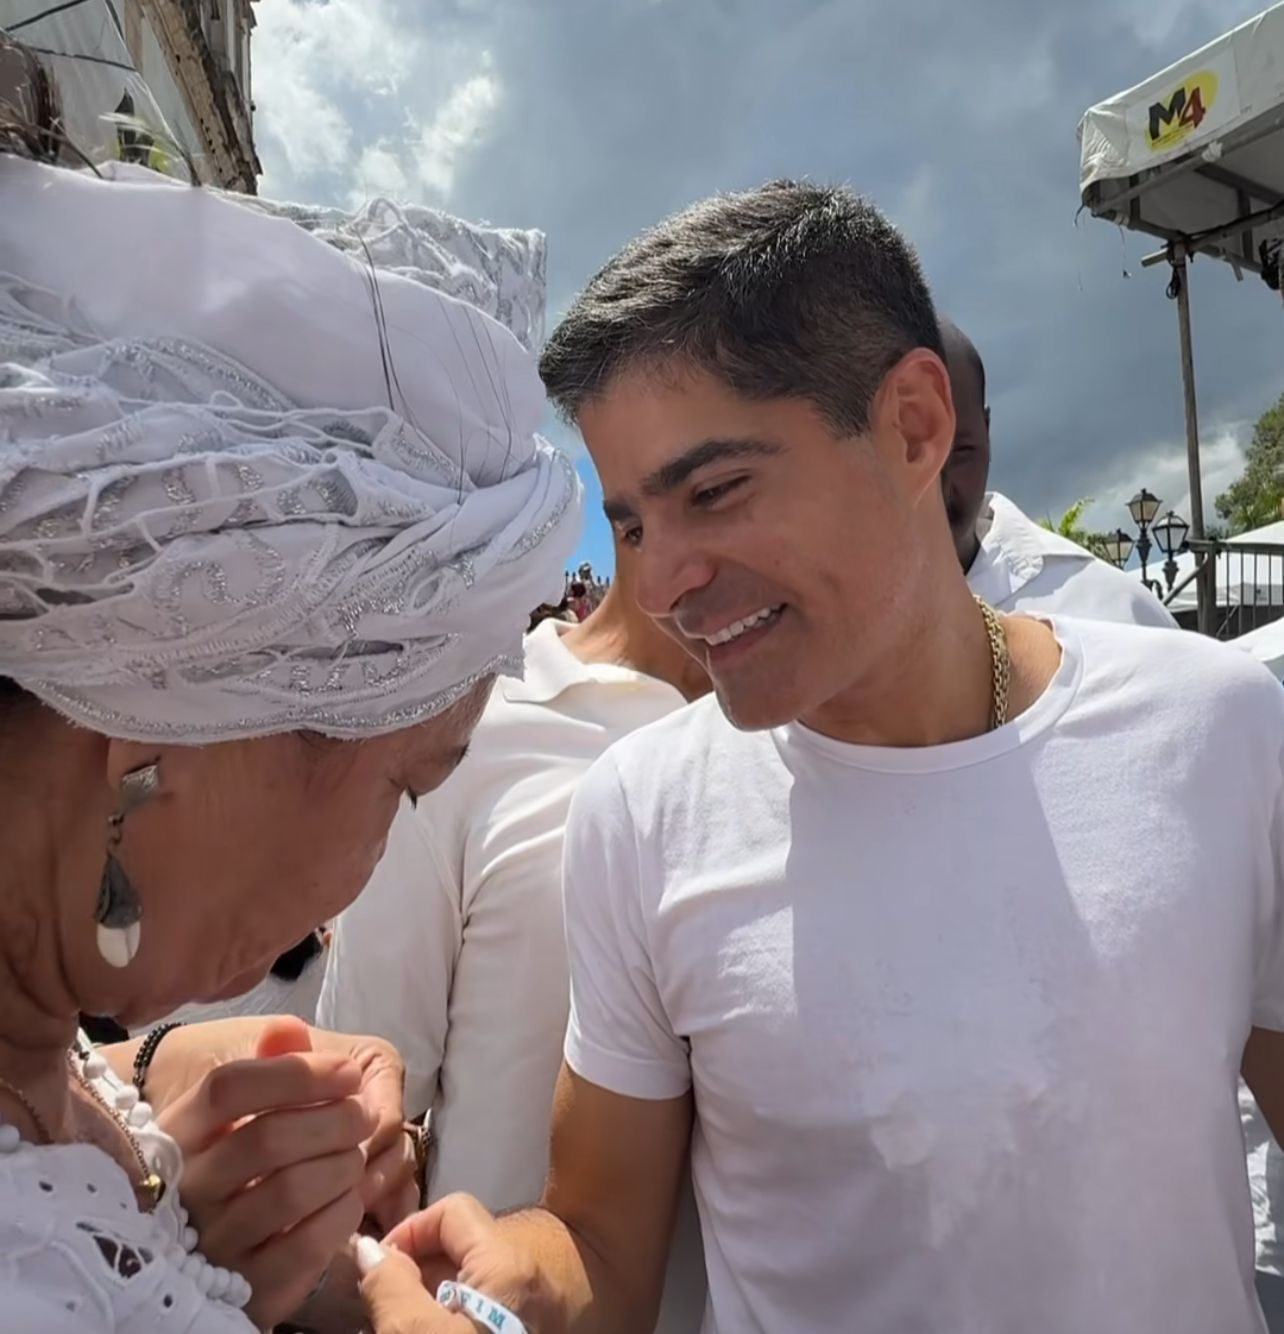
(459, 1239)
(397, 1302)
(274, 1167)
(592, 1258)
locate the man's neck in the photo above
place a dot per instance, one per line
(620, 634)
(937, 685)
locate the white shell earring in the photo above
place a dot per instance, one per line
(119, 913)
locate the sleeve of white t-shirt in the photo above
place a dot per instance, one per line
(392, 957)
(619, 1036)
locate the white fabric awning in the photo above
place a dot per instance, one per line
(1198, 147)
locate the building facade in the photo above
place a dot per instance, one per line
(194, 56)
(137, 77)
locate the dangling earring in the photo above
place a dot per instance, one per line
(119, 913)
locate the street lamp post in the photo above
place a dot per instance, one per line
(1169, 534)
(1143, 507)
(1118, 547)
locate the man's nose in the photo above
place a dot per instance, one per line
(669, 569)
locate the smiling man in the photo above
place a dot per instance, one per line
(937, 939)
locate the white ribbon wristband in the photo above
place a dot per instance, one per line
(488, 1314)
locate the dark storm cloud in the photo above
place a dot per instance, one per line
(593, 118)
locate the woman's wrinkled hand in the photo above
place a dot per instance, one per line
(390, 1188)
(275, 1170)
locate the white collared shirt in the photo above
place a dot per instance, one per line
(1023, 567)
(455, 950)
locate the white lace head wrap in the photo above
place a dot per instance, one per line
(249, 484)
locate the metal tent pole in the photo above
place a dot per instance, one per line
(1180, 289)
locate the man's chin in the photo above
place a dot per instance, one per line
(749, 712)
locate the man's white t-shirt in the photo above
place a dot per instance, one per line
(962, 1024)
(1021, 566)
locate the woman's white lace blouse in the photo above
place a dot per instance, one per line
(78, 1255)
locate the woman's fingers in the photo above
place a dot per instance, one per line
(286, 1270)
(390, 1189)
(282, 1035)
(271, 1142)
(282, 1203)
(239, 1089)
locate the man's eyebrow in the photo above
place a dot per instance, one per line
(671, 475)
(618, 511)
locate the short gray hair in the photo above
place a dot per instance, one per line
(787, 291)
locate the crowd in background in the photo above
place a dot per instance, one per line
(582, 594)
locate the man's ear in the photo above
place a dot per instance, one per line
(914, 413)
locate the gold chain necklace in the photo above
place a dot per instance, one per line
(150, 1182)
(1000, 665)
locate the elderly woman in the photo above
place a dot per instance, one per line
(269, 522)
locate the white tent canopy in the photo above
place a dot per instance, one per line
(1197, 152)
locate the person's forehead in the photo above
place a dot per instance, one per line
(641, 418)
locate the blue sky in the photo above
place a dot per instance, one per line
(591, 119)
(595, 545)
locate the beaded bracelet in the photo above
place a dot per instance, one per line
(147, 1053)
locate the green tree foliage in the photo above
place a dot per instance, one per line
(1254, 500)
(1070, 525)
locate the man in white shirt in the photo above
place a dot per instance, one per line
(1012, 562)
(938, 937)
(456, 950)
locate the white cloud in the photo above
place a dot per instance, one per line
(378, 174)
(592, 121)
(1162, 471)
(309, 59)
(308, 129)
(916, 208)
(458, 126)
(356, 101)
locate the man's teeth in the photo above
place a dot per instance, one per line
(737, 628)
